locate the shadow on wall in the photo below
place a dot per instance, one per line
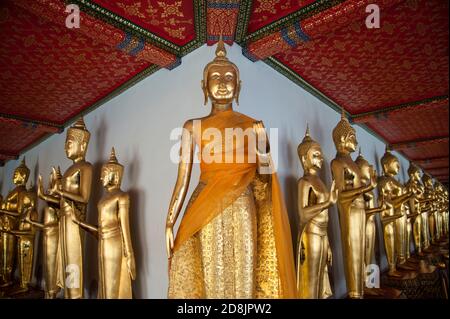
(137, 226)
(91, 243)
(38, 243)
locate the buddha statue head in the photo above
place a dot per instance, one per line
(310, 153)
(427, 180)
(344, 136)
(77, 140)
(390, 163)
(221, 82)
(112, 172)
(21, 174)
(55, 180)
(413, 172)
(365, 168)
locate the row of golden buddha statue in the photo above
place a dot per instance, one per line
(234, 239)
(63, 219)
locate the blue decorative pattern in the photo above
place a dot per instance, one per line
(300, 33)
(125, 42)
(286, 38)
(138, 48)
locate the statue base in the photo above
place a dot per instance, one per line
(17, 292)
(383, 293)
(428, 282)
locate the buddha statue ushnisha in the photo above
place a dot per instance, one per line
(351, 206)
(313, 249)
(234, 240)
(74, 197)
(116, 265)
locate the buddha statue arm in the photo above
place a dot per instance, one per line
(349, 195)
(308, 212)
(265, 164)
(376, 210)
(9, 213)
(124, 205)
(182, 183)
(399, 200)
(93, 230)
(84, 187)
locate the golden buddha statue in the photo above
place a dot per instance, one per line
(234, 240)
(445, 204)
(74, 194)
(50, 229)
(430, 207)
(12, 206)
(443, 201)
(367, 171)
(116, 257)
(397, 195)
(22, 229)
(313, 252)
(415, 203)
(439, 215)
(351, 206)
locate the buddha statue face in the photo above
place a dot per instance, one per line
(21, 174)
(20, 177)
(313, 158)
(221, 79)
(74, 148)
(392, 167)
(221, 83)
(77, 140)
(344, 136)
(110, 177)
(112, 172)
(349, 142)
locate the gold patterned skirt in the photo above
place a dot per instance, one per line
(233, 256)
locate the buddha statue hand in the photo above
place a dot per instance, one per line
(169, 240)
(262, 145)
(131, 264)
(373, 179)
(40, 187)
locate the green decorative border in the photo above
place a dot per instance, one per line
(402, 106)
(301, 14)
(125, 25)
(30, 121)
(297, 79)
(245, 10)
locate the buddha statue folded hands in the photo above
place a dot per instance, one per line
(234, 240)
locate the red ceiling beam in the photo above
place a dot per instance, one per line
(417, 143)
(314, 27)
(54, 11)
(30, 123)
(431, 103)
(222, 19)
(430, 160)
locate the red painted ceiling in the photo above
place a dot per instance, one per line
(172, 20)
(365, 69)
(265, 12)
(392, 80)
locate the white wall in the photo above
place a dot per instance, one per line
(138, 123)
